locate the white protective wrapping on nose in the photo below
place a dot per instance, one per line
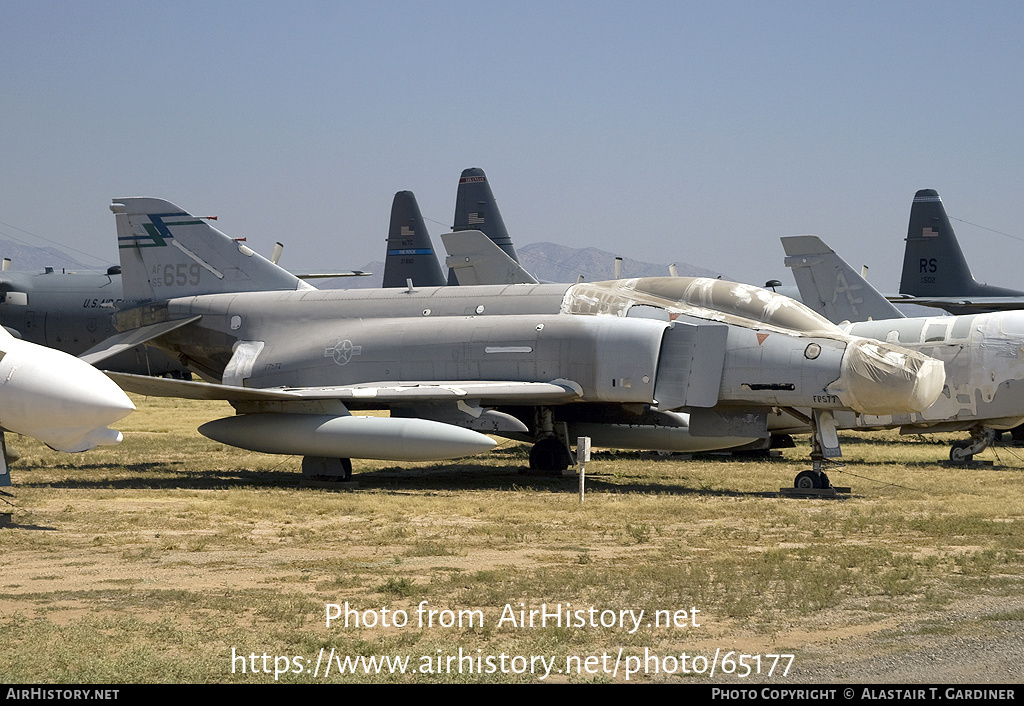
(881, 378)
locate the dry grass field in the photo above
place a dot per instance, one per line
(171, 558)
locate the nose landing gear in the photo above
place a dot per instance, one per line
(962, 452)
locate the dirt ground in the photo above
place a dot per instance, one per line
(132, 560)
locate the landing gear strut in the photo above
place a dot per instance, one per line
(824, 445)
(963, 451)
(549, 453)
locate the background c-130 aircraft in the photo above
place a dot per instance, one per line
(480, 248)
(522, 361)
(72, 313)
(935, 271)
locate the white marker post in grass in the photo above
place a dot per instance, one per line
(582, 456)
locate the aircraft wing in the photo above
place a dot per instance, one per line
(487, 392)
(972, 305)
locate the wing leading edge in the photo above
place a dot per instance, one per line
(487, 392)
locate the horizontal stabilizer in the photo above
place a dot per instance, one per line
(959, 305)
(129, 339)
(332, 275)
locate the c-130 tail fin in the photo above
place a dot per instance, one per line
(933, 263)
(410, 254)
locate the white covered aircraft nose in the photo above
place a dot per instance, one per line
(58, 399)
(881, 378)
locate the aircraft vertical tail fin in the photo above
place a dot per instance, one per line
(476, 259)
(410, 254)
(933, 263)
(829, 286)
(167, 252)
(476, 209)
(934, 266)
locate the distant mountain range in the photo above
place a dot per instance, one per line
(550, 262)
(558, 263)
(26, 258)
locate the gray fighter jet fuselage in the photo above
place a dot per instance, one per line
(525, 361)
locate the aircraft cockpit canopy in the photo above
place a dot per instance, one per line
(701, 297)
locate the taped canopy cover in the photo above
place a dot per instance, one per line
(878, 378)
(733, 298)
(710, 299)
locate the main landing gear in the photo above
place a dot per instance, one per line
(549, 454)
(320, 468)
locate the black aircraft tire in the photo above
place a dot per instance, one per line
(549, 455)
(809, 480)
(327, 469)
(346, 465)
(956, 454)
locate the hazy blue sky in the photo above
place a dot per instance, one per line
(661, 131)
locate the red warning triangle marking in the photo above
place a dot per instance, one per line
(761, 337)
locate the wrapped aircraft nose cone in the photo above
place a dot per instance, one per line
(58, 399)
(881, 378)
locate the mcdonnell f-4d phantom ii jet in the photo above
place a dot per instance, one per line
(524, 361)
(983, 353)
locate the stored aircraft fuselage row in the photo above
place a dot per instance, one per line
(621, 359)
(655, 363)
